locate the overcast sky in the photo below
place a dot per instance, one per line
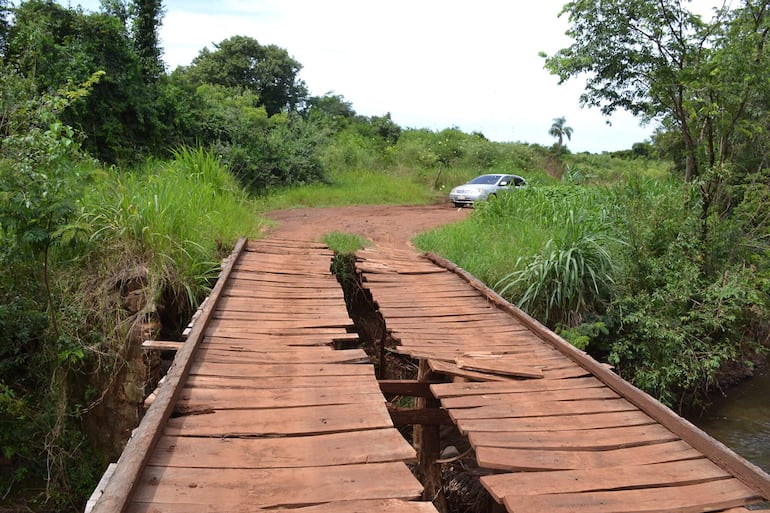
(429, 63)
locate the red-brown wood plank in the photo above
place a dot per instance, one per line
(584, 439)
(549, 459)
(282, 421)
(264, 488)
(601, 479)
(711, 496)
(371, 446)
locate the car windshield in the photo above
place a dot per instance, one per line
(486, 180)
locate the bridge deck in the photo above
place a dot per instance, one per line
(260, 412)
(563, 431)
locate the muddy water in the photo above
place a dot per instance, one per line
(741, 419)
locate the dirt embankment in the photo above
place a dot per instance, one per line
(392, 226)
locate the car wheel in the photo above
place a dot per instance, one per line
(458, 205)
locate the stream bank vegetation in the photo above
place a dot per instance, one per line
(122, 186)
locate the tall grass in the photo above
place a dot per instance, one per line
(184, 215)
(545, 248)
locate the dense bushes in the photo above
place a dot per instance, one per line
(625, 271)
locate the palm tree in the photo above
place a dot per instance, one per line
(559, 130)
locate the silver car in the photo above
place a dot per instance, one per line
(483, 187)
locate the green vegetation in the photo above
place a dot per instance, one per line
(345, 243)
(122, 187)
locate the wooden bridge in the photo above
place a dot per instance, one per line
(270, 406)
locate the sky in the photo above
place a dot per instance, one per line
(435, 64)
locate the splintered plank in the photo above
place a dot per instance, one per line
(199, 399)
(272, 488)
(472, 401)
(300, 355)
(442, 390)
(555, 409)
(371, 446)
(283, 421)
(506, 367)
(586, 439)
(533, 459)
(608, 478)
(453, 370)
(286, 370)
(712, 496)
(561, 423)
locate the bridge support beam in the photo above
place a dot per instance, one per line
(427, 441)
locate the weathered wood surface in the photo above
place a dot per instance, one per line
(269, 416)
(565, 433)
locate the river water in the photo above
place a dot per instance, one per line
(741, 419)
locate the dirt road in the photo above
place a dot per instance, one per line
(384, 225)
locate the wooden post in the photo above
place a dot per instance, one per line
(427, 440)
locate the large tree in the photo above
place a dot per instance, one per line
(657, 59)
(240, 61)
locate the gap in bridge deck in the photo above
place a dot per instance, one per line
(414, 409)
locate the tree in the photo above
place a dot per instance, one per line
(638, 55)
(55, 46)
(242, 62)
(4, 11)
(560, 130)
(147, 21)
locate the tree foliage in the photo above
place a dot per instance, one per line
(146, 24)
(242, 62)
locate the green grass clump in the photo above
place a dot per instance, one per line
(184, 214)
(345, 243)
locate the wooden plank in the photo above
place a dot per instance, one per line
(586, 439)
(348, 506)
(712, 496)
(608, 478)
(453, 370)
(270, 488)
(132, 460)
(300, 355)
(554, 409)
(533, 459)
(282, 338)
(504, 368)
(472, 401)
(257, 326)
(331, 316)
(282, 421)
(714, 450)
(199, 368)
(201, 399)
(278, 382)
(256, 331)
(565, 422)
(372, 446)
(460, 389)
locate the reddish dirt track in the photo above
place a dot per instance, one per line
(385, 225)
